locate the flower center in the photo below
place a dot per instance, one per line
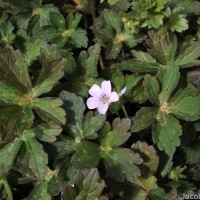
(104, 98)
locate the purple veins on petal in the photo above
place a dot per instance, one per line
(106, 87)
(95, 91)
(93, 102)
(103, 108)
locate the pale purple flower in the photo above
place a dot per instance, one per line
(102, 97)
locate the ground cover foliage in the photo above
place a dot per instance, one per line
(147, 145)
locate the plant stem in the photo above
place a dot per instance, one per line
(125, 112)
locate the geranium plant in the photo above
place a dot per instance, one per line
(99, 99)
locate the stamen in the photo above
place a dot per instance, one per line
(104, 98)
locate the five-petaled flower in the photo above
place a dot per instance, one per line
(102, 96)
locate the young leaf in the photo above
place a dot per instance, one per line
(49, 76)
(167, 136)
(169, 82)
(70, 33)
(110, 31)
(74, 107)
(49, 110)
(87, 155)
(118, 135)
(185, 104)
(8, 155)
(122, 163)
(178, 22)
(32, 159)
(152, 88)
(143, 118)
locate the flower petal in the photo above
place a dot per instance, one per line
(103, 108)
(123, 91)
(106, 88)
(93, 102)
(95, 91)
(114, 97)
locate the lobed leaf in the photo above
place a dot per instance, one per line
(167, 135)
(49, 110)
(8, 155)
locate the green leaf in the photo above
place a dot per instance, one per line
(40, 192)
(69, 193)
(88, 61)
(6, 33)
(191, 154)
(13, 120)
(29, 47)
(158, 194)
(91, 123)
(50, 74)
(152, 88)
(9, 95)
(144, 118)
(149, 155)
(87, 155)
(46, 132)
(139, 67)
(178, 23)
(92, 186)
(5, 190)
(89, 187)
(188, 6)
(162, 45)
(32, 159)
(170, 79)
(49, 110)
(61, 148)
(8, 155)
(116, 77)
(188, 54)
(167, 135)
(57, 20)
(12, 71)
(70, 33)
(79, 38)
(74, 107)
(138, 94)
(122, 163)
(118, 135)
(185, 104)
(109, 31)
